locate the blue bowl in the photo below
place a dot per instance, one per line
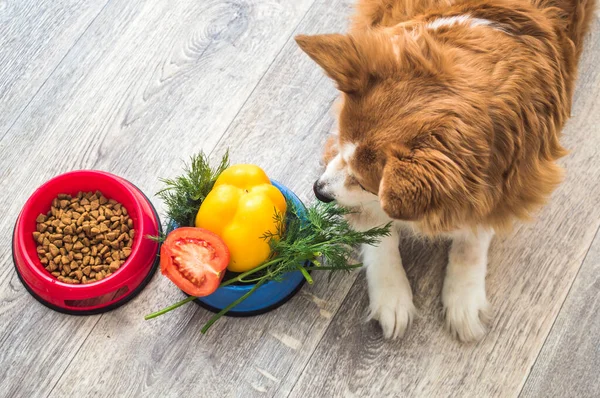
(270, 295)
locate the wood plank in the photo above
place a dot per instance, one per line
(530, 273)
(148, 81)
(239, 357)
(569, 361)
(34, 37)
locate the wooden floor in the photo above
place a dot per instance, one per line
(132, 87)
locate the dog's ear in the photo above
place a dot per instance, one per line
(339, 57)
(404, 189)
(413, 185)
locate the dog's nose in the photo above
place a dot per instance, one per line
(319, 194)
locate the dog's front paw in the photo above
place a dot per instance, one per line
(394, 311)
(466, 309)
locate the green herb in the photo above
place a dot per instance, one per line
(160, 238)
(184, 194)
(324, 239)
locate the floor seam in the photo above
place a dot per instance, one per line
(8, 130)
(275, 58)
(356, 280)
(596, 234)
(74, 356)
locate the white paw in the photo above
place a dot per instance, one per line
(394, 311)
(467, 310)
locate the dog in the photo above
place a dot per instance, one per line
(449, 125)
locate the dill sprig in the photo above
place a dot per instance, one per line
(184, 194)
(323, 240)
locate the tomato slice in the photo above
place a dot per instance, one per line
(194, 259)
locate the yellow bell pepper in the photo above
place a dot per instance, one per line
(240, 209)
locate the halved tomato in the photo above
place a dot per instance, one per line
(194, 259)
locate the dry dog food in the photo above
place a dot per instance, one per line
(85, 238)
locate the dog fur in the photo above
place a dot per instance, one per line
(449, 125)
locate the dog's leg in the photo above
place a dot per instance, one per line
(389, 290)
(463, 296)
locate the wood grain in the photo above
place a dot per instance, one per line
(569, 362)
(256, 356)
(34, 37)
(150, 81)
(29, 52)
(530, 273)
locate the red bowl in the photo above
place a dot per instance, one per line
(110, 292)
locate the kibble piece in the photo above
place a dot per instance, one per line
(114, 266)
(53, 250)
(83, 238)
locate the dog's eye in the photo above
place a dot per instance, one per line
(360, 185)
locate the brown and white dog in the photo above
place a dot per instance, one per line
(449, 125)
